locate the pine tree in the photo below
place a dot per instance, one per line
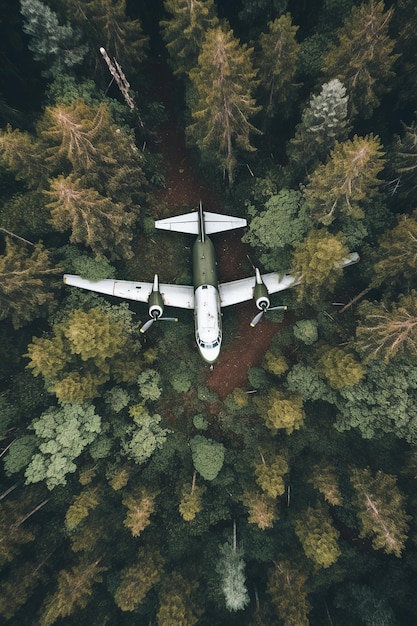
(362, 57)
(138, 579)
(140, 505)
(385, 333)
(81, 506)
(22, 155)
(278, 60)
(184, 31)
(58, 47)
(349, 177)
(318, 536)
(324, 479)
(262, 508)
(191, 497)
(25, 284)
(176, 604)
(286, 586)
(396, 255)
(224, 80)
(269, 476)
(281, 411)
(405, 159)
(230, 567)
(324, 121)
(380, 510)
(74, 591)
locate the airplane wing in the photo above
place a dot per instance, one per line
(213, 223)
(181, 296)
(243, 289)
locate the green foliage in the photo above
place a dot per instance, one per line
(340, 368)
(80, 508)
(362, 57)
(145, 436)
(191, 501)
(282, 223)
(286, 586)
(316, 260)
(63, 433)
(224, 80)
(24, 286)
(262, 508)
(140, 505)
(381, 510)
(269, 476)
(230, 567)
(306, 331)
(278, 59)
(318, 536)
(19, 454)
(324, 121)
(58, 47)
(349, 177)
(138, 579)
(185, 29)
(396, 256)
(177, 605)
(384, 333)
(74, 591)
(149, 382)
(208, 456)
(281, 411)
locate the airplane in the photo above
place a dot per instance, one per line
(206, 296)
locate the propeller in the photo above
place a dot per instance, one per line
(262, 301)
(156, 307)
(156, 318)
(264, 309)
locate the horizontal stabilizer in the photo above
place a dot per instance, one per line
(188, 223)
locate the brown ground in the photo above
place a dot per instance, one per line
(184, 189)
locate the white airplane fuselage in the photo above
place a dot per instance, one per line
(207, 312)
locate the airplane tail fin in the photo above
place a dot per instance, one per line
(189, 223)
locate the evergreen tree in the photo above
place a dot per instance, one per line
(184, 31)
(58, 47)
(384, 333)
(231, 568)
(347, 179)
(24, 282)
(396, 255)
(22, 155)
(324, 479)
(318, 536)
(191, 497)
(324, 121)
(74, 591)
(278, 60)
(405, 159)
(362, 57)
(281, 411)
(262, 508)
(286, 586)
(140, 505)
(94, 220)
(138, 579)
(208, 456)
(270, 476)
(224, 80)
(176, 605)
(81, 507)
(381, 510)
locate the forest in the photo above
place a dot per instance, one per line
(138, 487)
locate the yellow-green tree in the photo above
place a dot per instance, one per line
(381, 509)
(138, 579)
(224, 80)
(81, 506)
(287, 588)
(262, 508)
(349, 177)
(340, 367)
(140, 505)
(270, 476)
(191, 499)
(176, 603)
(74, 591)
(25, 284)
(323, 478)
(318, 536)
(396, 255)
(281, 411)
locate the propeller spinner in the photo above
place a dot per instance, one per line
(262, 299)
(156, 307)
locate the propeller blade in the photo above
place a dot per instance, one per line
(167, 319)
(281, 307)
(257, 318)
(147, 325)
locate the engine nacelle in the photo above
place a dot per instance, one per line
(155, 301)
(260, 293)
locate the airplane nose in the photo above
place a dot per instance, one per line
(210, 355)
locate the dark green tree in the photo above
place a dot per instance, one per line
(224, 80)
(362, 57)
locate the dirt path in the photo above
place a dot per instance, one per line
(184, 189)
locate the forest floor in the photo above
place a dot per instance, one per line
(184, 188)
